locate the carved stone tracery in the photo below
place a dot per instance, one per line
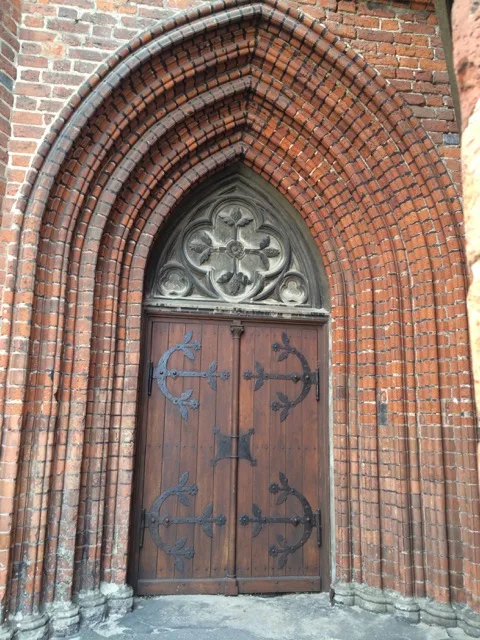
(235, 245)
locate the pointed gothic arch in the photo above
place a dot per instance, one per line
(267, 262)
(264, 85)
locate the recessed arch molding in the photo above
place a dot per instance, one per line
(260, 84)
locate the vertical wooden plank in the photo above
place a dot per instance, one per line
(262, 417)
(310, 454)
(222, 487)
(246, 472)
(205, 451)
(146, 554)
(294, 429)
(171, 468)
(188, 448)
(324, 457)
(277, 442)
(152, 450)
(231, 584)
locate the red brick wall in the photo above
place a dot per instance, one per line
(63, 43)
(9, 19)
(371, 163)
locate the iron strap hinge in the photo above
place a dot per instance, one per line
(319, 528)
(150, 378)
(143, 524)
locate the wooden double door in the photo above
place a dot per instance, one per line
(232, 491)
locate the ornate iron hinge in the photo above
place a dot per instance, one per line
(307, 377)
(179, 550)
(161, 373)
(308, 520)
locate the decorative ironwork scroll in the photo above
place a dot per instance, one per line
(161, 373)
(308, 520)
(307, 377)
(224, 447)
(179, 551)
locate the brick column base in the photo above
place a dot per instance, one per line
(413, 610)
(64, 619)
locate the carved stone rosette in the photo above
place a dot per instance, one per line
(235, 246)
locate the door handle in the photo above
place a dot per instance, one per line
(150, 378)
(143, 524)
(319, 528)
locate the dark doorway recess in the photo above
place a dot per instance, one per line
(232, 460)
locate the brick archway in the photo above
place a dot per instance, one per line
(259, 83)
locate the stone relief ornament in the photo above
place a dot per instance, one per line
(235, 253)
(235, 246)
(174, 282)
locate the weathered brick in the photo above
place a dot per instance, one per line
(378, 191)
(35, 35)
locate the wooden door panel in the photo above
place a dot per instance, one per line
(289, 437)
(188, 481)
(178, 446)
